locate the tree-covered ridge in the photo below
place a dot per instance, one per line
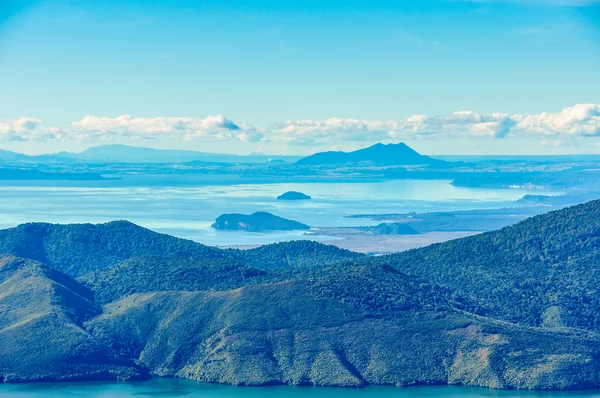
(237, 268)
(383, 289)
(18, 274)
(544, 271)
(284, 332)
(121, 258)
(516, 308)
(42, 337)
(78, 249)
(156, 273)
(302, 254)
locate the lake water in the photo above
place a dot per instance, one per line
(167, 388)
(187, 210)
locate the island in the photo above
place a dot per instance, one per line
(257, 222)
(293, 195)
(396, 228)
(377, 155)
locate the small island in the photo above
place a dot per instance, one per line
(396, 228)
(257, 222)
(293, 195)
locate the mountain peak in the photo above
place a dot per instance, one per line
(379, 154)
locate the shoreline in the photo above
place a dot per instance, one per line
(202, 387)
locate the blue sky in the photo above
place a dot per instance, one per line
(299, 76)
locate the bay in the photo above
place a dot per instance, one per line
(188, 209)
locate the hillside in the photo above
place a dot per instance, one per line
(296, 255)
(271, 263)
(80, 248)
(41, 333)
(157, 273)
(515, 308)
(305, 332)
(544, 271)
(378, 154)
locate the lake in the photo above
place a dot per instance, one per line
(188, 209)
(167, 388)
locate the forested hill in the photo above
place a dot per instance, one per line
(515, 308)
(78, 249)
(544, 271)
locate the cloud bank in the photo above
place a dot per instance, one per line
(579, 121)
(27, 129)
(210, 128)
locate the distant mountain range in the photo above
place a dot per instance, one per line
(377, 155)
(132, 154)
(514, 308)
(9, 157)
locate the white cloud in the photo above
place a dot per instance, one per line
(309, 132)
(190, 129)
(465, 123)
(578, 121)
(27, 129)
(462, 124)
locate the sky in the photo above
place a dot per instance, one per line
(300, 76)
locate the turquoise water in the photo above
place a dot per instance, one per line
(166, 388)
(188, 211)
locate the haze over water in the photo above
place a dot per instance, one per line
(187, 209)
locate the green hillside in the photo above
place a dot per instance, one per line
(544, 271)
(515, 308)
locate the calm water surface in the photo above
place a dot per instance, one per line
(189, 210)
(166, 388)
